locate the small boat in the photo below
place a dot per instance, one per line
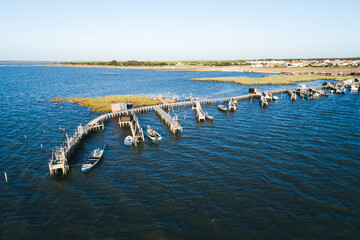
(223, 108)
(207, 116)
(275, 98)
(92, 159)
(353, 88)
(128, 141)
(153, 135)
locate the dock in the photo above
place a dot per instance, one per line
(200, 115)
(58, 164)
(132, 121)
(59, 160)
(232, 105)
(174, 126)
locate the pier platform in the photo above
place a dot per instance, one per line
(174, 126)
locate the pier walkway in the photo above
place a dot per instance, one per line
(133, 122)
(61, 155)
(174, 126)
(200, 115)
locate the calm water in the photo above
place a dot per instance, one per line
(291, 170)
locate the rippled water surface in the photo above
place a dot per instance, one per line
(291, 170)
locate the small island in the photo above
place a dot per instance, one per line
(103, 104)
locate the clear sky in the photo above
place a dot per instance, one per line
(77, 30)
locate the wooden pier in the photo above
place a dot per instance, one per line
(232, 105)
(61, 155)
(174, 126)
(200, 115)
(58, 164)
(133, 122)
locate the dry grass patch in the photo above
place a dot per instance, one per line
(103, 104)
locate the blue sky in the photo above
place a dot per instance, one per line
(89, 30)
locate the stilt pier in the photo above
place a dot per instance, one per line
(174, 126)
(232, 105)
(133, 122)
(58, 164)
(200, 115)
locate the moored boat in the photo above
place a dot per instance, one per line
(275, 98)
(128, 140)
(92, 159)
(153, 135)
(353, 88)
(207, 116)
(223, 108)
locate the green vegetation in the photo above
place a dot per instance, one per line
(134, 63)
(123, 63)
(103, 104)
(273, 79)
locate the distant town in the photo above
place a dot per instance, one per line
(306, 63)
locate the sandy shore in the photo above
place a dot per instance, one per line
(276, 70)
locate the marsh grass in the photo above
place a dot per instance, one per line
(272, 79)
(103, 104)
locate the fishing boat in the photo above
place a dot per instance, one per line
(92, 159)
(128, 141)
(353, 88)
(207, 116)
(275, 98)
(153, 135)
(223, 108)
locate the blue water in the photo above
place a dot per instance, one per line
(291, 170)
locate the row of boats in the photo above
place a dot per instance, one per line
(96, 155)
(151, 133)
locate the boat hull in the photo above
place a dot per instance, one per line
(222, 108)
(209, 117)
(153, 138)
(128, 141)
(91, 161)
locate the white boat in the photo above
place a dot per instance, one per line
(92, 159)
(275, 98)
(128, 140)
(353, 88)
(153, 135)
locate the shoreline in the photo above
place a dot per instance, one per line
(189, 68)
